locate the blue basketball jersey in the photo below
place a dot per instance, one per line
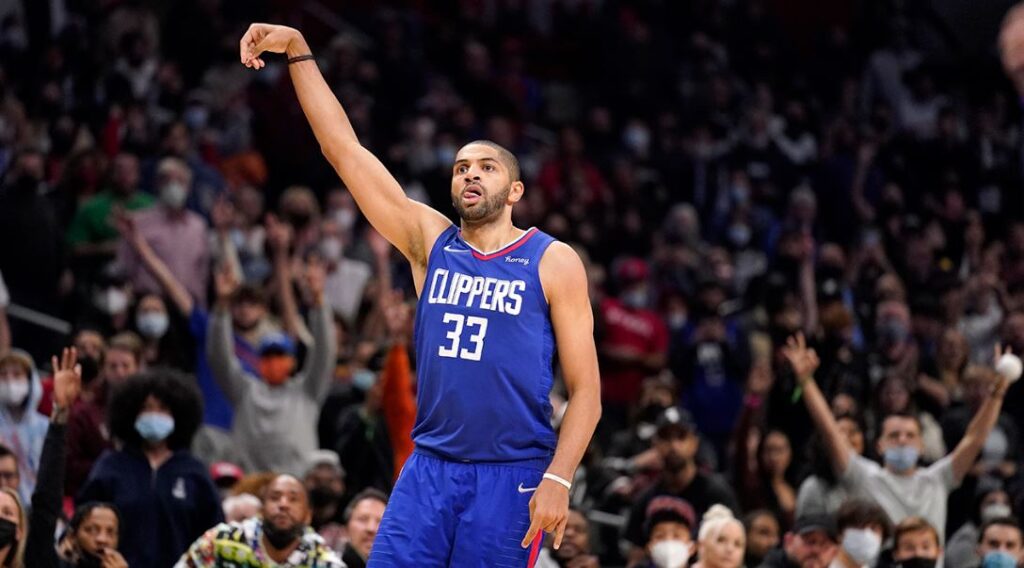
(484, 352)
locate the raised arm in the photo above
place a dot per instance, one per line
(170, 284)
(279, 236)
(804, 362)
(220, 345)
(410, 226)
(48, 495)
(981, 425)
(565, 284)
(320, 356)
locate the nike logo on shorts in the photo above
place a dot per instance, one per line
(526, 489)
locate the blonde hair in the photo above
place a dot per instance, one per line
(17, 559)
(714, 520)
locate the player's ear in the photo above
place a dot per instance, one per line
(515, 192)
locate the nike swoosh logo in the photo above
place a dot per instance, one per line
(526, 489)
(449, 248)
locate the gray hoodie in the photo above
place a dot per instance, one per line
(275, 426)
(25, 434)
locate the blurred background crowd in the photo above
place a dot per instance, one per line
(732, 172)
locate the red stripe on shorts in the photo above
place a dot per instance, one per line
(535, 550)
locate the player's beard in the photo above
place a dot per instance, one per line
(487, 207)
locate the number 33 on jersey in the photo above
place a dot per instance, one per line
(485, 351)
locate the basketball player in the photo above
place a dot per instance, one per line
(488, 476)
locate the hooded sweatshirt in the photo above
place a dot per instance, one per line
(25, 434)
(275, 426)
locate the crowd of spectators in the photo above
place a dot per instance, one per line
(802, 224)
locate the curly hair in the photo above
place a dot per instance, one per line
(175, 390)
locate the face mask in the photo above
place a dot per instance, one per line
(153, 325)
(892, 333)
(999, 559)
(174, 194)
(276, 369)
(670, 554)
(281, 538)
(345, 218)
(862, 545)
(299, 219)
(363, 379)
(638, 139)
(112, 301)
(154, 426)
(739, 235)
(8, 533)
(13, 392)
(635, 299)
(677, 320)
(90, 368)
(917, 563)
(995, 511)
(901, 458)
(321, 497)
(331, 249)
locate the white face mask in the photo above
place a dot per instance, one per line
(112, 301)
(862, 545)
(13, 392)
(670, 554)
(174, 194)
(153, 325)
(995, 511)
(331, 249)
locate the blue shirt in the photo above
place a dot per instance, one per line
(217, 410)
(485, 347)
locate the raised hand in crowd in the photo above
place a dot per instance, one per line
(67, 379)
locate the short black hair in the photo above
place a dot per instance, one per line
(858, 513)
(368, 493)
(1000, 522)
(174, 389)
(5, 451)
(85, 509)
(506, 157)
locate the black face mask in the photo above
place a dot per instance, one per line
(8, 533)
(321, 497)
(90, 368)
(281, 538)
(917, 562)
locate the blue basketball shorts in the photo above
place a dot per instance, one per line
(449, 513)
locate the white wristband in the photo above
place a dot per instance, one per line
(558, 480)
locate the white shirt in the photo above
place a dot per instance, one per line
(922, 494)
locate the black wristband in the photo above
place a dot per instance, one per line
(299, 58)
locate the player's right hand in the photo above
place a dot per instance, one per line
(263, 38)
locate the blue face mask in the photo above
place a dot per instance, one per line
(364, 379)
(999, 559)
(154, 427)
(901, 458)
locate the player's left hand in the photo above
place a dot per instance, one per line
(549, 512)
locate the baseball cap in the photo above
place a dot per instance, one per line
(277, 342)
(674, 420)
(813, 523)
(664, 509)
(225, 471)
(632, 270)
(324, 458)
